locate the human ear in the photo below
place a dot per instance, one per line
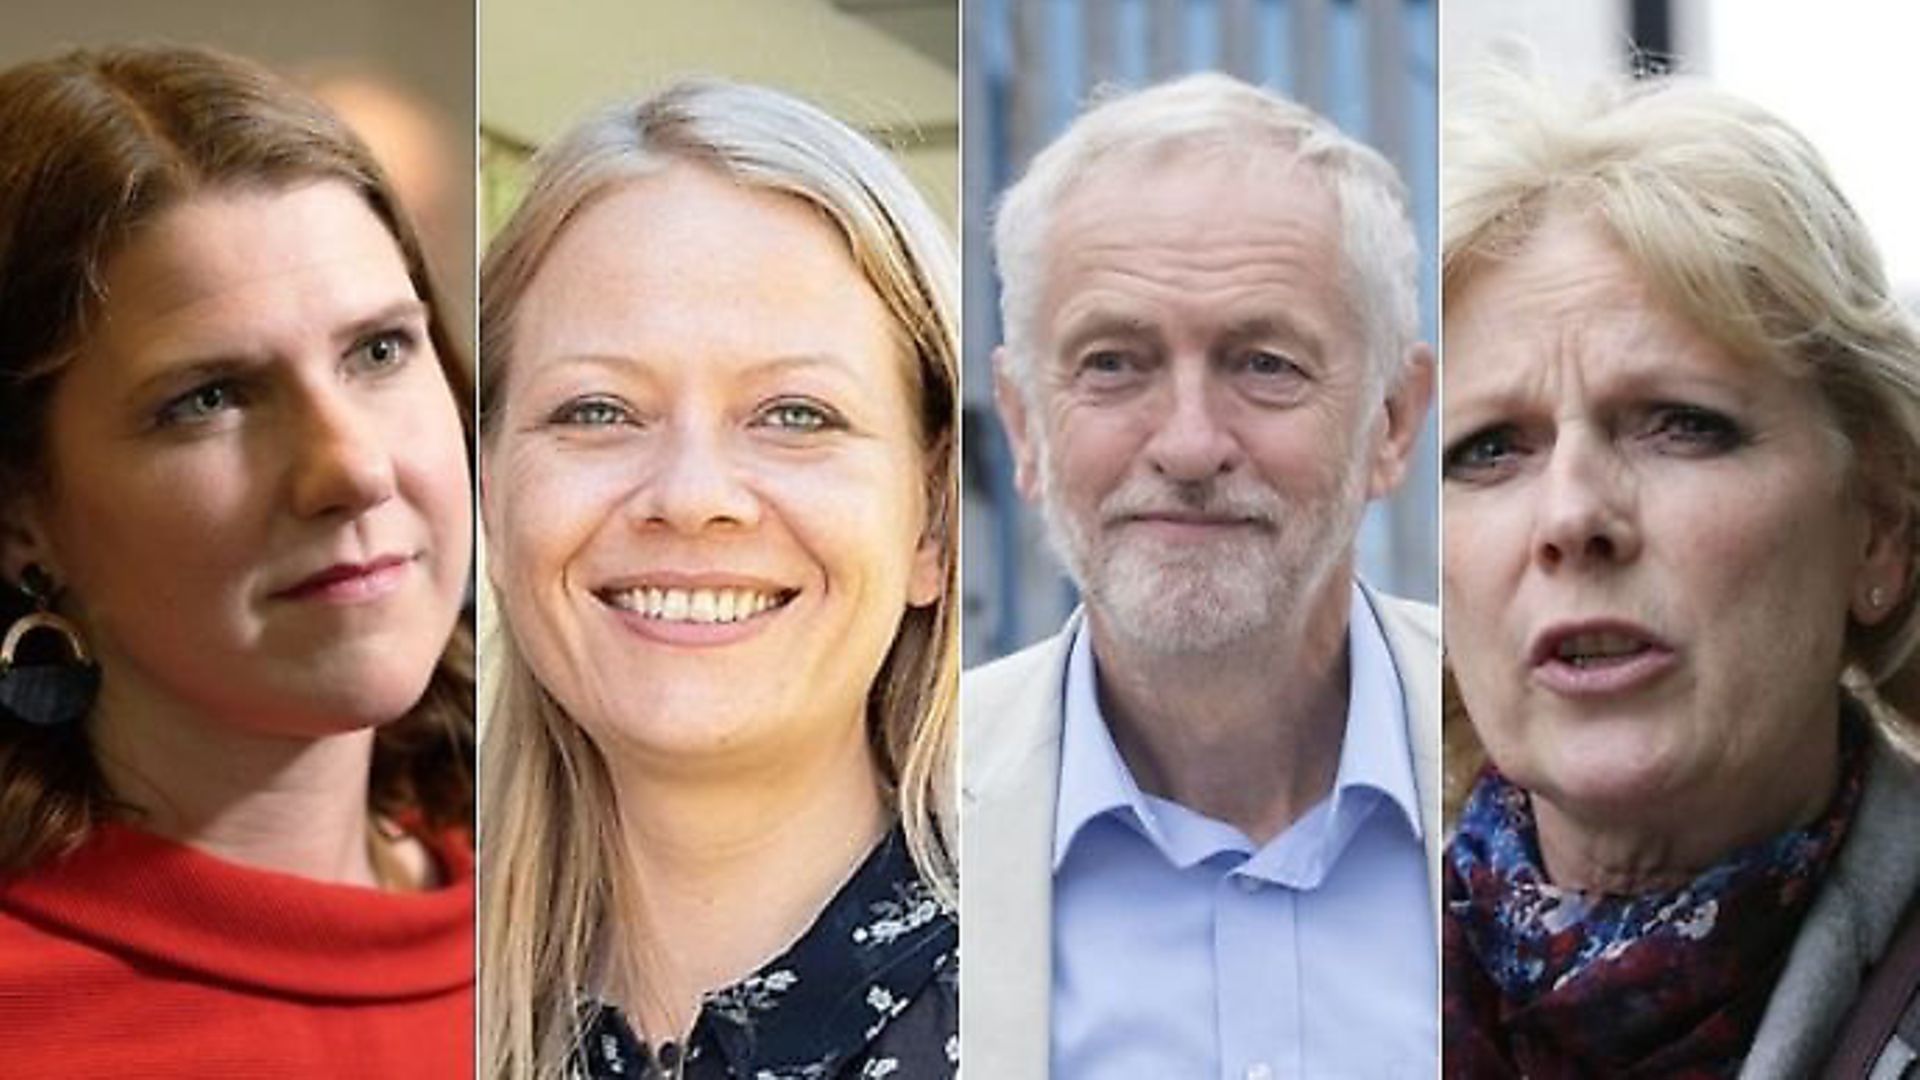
(1880, 582)
(927, 578)
(1010, 400)
(927, 573)
(23, 541)
(1405, 411)
(490, 534)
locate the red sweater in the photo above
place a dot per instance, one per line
(141, 957)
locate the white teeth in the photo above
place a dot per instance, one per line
(693, 605)
(1604, 645)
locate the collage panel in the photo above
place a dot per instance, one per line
(1681, 435)
(236, 674)
(1200, 828)
(719, 331)
(624, 539)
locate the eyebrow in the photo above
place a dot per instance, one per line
(1649, 381)
(191, 372)
(802, 362)
(1105, 324)
(1272, 328)
(623, 362)
(407, 309)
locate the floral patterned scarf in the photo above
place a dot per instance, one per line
(1546, 982)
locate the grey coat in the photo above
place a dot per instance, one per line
(1853, 918)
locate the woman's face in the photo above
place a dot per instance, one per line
(259, 499)
(1652, 546)
(706, 495)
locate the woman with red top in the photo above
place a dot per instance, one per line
(235, 532)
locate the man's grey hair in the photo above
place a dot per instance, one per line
(1217, 114)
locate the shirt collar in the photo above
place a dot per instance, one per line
(1094, 779)
(1374, 753)
(878, 943)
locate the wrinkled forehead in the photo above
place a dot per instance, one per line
(1665, 271)
(251, 234)
(1517, 226)
(1567, 313)
(1198, 231)
(1566, 262)
(1179, 176)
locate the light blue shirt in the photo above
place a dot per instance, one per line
(1181, 950)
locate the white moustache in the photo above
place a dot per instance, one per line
(1246, 501)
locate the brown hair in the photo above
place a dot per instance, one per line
(94, 145)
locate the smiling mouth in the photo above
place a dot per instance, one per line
(702, 606)
(351, 582)
(1191, 522)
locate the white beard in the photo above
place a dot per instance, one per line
(1198, 597)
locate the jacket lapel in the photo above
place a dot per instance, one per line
(1013, 718)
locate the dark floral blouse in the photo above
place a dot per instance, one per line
(871, 990)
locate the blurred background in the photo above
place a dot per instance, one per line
(888, 67)
(1833, 70)
(401, 74)
(1370, 65)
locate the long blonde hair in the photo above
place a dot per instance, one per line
(554, 868)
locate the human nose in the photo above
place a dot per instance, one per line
(695, 484)
(1192, 441)
(342, 463)
(1585, 516)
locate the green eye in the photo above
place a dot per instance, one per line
(591, 412)
(799, 415)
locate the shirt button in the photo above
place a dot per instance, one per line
(1259, 1070)
(1251, 885)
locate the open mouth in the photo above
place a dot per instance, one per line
(1600, 659)
(1600, 648)
(699, 606)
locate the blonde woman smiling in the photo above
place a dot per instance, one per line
(718, 478)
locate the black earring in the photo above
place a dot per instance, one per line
(45, 695)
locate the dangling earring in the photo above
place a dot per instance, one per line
(45, 695)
